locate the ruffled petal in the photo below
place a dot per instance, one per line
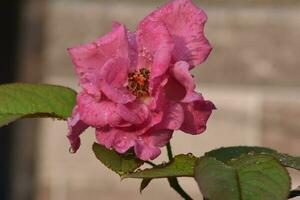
(196, 115)
(185, 22)
(124, 141)
(76, 128)
(133, 50)
(114, 75)
(97, 113)
(117, 95)
(139, 129)
(155, 46)
(145, 151)
(114, 72)
(148, 146)
(154, 119)
(180, 86)
(135, 113)
(174, 90)
(123, 138)
(173, 116)
(106, 136)
(142, 137)
(88, 64)
(90, 58)
(181, 73)
(115, 138)
(157, 100)
(158, 138)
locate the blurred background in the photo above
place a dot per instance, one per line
(252, 76)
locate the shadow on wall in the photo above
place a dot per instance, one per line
(10, 9)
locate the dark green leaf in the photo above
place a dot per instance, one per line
(216, 180)
(249, 177)
(34, 101)
(145, 182)
(226, 153)
(181, 165)
(119, 163)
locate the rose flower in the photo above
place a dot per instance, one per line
(137, 87)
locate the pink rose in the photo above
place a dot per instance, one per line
(137, 86)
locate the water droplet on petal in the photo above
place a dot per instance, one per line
(121, 144)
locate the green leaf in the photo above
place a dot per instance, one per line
(119, 163)
(226, 153)
(294, 193)
(35, 100)
(145, 182)
(216, 180)
(249, 177)
(181, 165)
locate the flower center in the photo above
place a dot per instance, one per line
(138, 82)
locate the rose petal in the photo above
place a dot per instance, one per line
(90, 58)
(196, 115)
(88, 63)
(113, 77)
(135, 113)
(139, 129)
(97, 113)
(145, 151)
(115, 138)
(117, 95)
(181, 73)
(147, 146)
(174, 90)
(173, 116)
(155, 46)
(76, 128)
(154, 119)
(133, 51)
(124, 141)
(115, 72)
(106, 136)
(159, 138)
(158, 97)
(185, 22)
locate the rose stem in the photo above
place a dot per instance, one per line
(173, 180)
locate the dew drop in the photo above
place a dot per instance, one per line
(121, 144)
(138, 170)
(71, 150)
(163, 163)
(190, 155)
